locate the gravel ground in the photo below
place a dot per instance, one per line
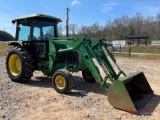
(37, 100)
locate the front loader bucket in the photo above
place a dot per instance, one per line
(130, 93)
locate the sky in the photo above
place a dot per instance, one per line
(82, 12)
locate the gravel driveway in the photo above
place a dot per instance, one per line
(37, 100)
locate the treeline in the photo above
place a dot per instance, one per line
(5, 36)
(119, 28)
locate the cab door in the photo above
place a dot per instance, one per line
(41, 44)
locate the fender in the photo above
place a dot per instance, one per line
(17, 43)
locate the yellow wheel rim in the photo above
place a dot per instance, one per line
(60, 82)
(14, 65)
(88, 74)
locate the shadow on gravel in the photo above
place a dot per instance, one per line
(77, 94)
(150, 107)
(83, 88)
(40, 82)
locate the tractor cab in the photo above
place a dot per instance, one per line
(36, 27)
(34, 32)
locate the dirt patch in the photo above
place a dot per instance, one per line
(37, 100)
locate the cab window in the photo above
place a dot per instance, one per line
(36, 34)
(24, 32)
(48, 32)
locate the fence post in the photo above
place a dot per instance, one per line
(113, 50)
(129, 51)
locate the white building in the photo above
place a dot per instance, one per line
(117, 43)
(155, 42)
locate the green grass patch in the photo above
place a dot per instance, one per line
(145, 49)
(149, 57)
(150, 52)
(4, 47)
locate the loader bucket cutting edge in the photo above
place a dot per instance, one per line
(130, 93)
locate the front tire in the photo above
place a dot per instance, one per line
(19, 64)
(62, 81)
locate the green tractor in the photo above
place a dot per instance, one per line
(38, 47)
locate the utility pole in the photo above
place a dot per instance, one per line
(67, 20)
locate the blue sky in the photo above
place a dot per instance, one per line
(82, 12)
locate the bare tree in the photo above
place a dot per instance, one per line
(124, 26)
(158, 26)
(73, 28)
(138, 23)
(108, 30)
(94, 29)
(61, 29)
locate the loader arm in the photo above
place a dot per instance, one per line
(96, 51)
(87, 54)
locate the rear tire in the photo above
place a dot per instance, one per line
(87, 75)
(19, 64)
(62, 81)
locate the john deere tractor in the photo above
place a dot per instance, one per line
(38, 47)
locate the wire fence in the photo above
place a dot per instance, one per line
(118, 49)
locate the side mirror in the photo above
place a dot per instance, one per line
(13, 21)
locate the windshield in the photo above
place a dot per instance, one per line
(36, 30)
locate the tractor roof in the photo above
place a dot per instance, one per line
(38, 16)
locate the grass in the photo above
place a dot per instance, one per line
(149, 57)
(145, 49)
(153, 52)
(3, 48)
